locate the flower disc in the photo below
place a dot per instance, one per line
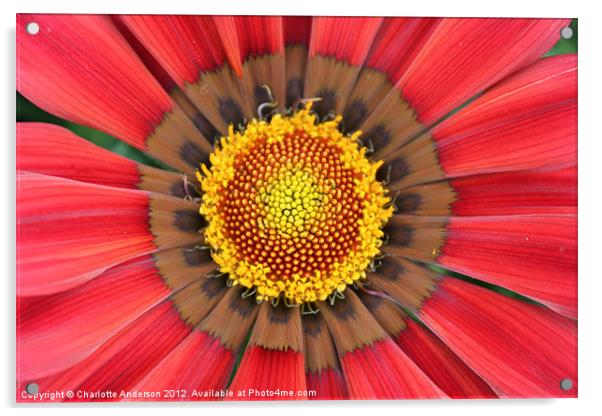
(293, 206)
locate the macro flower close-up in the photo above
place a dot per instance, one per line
(320, 208)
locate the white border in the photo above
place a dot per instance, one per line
(590, 206)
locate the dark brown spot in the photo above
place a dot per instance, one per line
(213, 286)
(312, 324)
(242, 306)
(294, 91)
(326, 104)
(261, 95)
(231, 112)
(192, 154)
(177, 189)
(408, 203)
(181, 189)
(353, 116)
(189, 220)
(196, 256)
(392, 170)
(280, 314)
(371, 302)
(399, 234)
(399, 168)
(379, 136)
(391, 268)
(205, 127)
(343, 309)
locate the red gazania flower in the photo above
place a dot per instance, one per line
(333, 180)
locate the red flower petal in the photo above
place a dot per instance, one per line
(80, 68)
(297, 34)
(57, 331)
(73, 377)
(297, 30)
(132, 355)
(521, 350)
(69, 232)
(532, 255)
(52, 150)
(199, 362)
(440, 364)
(383, 371)
(259, 35)
(185, 46)
(268, 370)
(504, 193)
(511, 193)
(373, 365)
(90, 75)
(159, 73)
(338, 47)
(261, 43)
(528, 121)
(432, 356)
(397, 43)
(126, 367)
(374, 106)
(246, 36)
(322, 369)
(344, 38)
(229, 37)
(465, 56)
(273, 359)
(546, 83)
(329, 384)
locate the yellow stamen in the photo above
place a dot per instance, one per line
(293, 207)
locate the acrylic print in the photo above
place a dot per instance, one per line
(295, 208)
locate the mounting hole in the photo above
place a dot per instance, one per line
(32, 388)
(566, 384)
(32, 28)
(566, 33)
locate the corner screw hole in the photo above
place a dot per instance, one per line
(566, 384)
(32, 28)
(32, 388)
(566, 33)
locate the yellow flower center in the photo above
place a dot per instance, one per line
(291, 202)
(293, 207)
